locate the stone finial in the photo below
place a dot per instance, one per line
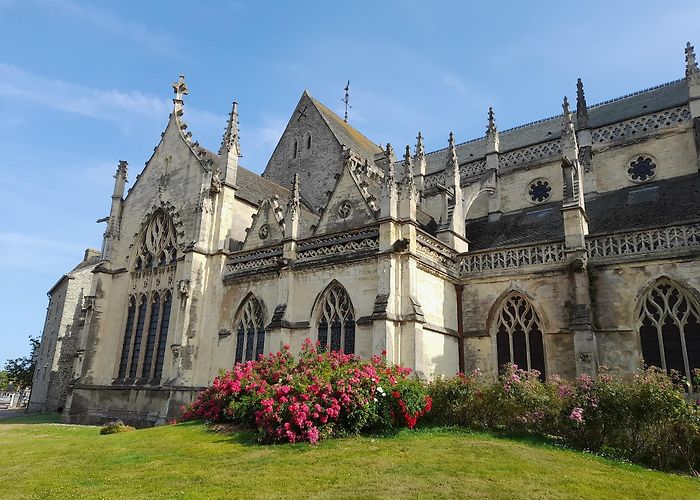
(567, 124)
(122, 169)
(389, 190)
(408, 171)
(581, 106)
(420, 147)
(492, 140)
(180, 88)
(691, 65)
(452, 164)
(231, 139)
(120, 179)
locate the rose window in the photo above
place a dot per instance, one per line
(344, 209)
(540, 190)
(264, 232)
(641, 169)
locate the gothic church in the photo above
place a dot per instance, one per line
(563, 245)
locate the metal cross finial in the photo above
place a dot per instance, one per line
(346, 100)
(180, 88)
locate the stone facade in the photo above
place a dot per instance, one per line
(69, 300)
(563, 245)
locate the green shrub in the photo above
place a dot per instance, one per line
(115, 427)
(647, 420)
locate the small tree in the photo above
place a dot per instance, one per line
(4, 380)
(20, 371)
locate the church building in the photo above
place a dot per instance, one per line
(565, 245)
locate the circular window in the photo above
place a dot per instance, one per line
(641, 168)
(539, 190)
(264, 232)
(344, 209)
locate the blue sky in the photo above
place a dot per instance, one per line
(85, 84)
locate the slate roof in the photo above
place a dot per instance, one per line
(622, 108)
(650, 205)
(346, 133)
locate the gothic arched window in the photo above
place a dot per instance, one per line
(336, 320)
(157, 244)
(138, 334)
(126, 346)
(519, 335)
(250, 330)
(669, 328)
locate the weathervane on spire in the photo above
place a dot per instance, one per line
(346, 100)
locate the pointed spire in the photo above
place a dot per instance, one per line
(291, 219)
(492, 140)
(389, 191)
(569, 146)
(452, 170)
(408, 171)
(581, 106)
(231, 140)
(120, 179)
(420, 147)
(691, 65)
(230, 149)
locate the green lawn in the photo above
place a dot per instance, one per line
(48, 460)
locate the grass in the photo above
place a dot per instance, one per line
(41, 459)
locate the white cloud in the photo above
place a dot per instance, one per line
(73, 98)
(259, 141)
(107, 21)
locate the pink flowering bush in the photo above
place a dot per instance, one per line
(314, 396)
(647, 419)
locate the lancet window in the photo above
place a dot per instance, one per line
(669, 328)
(336, 320)
(250, 331)
(519, 335)
(145, 337)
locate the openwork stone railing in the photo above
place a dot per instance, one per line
(466, 171)
(531, 153)
(641, 242)
(345, 244)
(512, 258)
(638, 126)
(436, 251)
(254, 260)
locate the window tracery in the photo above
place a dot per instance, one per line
(669, 328)
(539, 190)
(250, 336)
(519, 335)
(337, 320)
(158, 243)
(641, 169)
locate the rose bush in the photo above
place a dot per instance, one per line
(648, 419)
(314, 396)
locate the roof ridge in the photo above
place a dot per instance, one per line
(324, 110)
(632, 94)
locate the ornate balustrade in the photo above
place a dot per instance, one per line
(642, 124)
(528, 154)
(435, 251)
(642, 242)
(253, 260)
(345, 244)
(511, 258)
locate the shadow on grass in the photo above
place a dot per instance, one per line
(31, 418)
